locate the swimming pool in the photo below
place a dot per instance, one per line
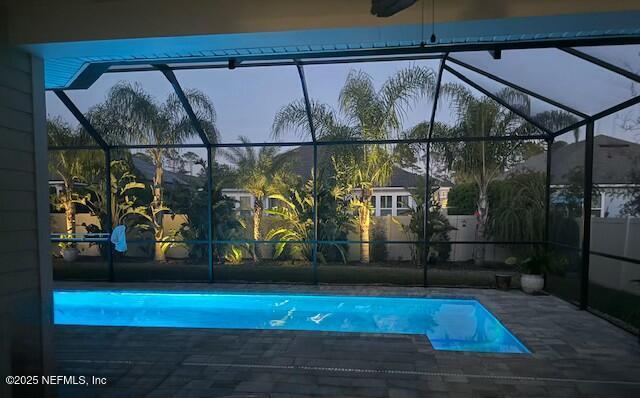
(450, 324)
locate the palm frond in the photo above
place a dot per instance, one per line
(401, 91)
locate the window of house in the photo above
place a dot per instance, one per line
(245, 202)
(597, 202)
(402, 204)
(386, 205)
(246, 205)
(274, 202)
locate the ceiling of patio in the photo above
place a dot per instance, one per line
(79, 40)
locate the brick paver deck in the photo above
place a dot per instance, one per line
(575, 354)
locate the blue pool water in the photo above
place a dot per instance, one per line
(450, 324)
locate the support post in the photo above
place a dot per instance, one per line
(425, 218)
(210, 211)
(109, 226)
(315, 214)
(586, 217)
(314, 172)
(427, 193)
(547, 202)
(547, 193)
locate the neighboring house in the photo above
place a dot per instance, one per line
(394, 199)
(614, 160)
(143, 168)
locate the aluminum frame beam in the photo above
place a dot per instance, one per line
(427, 171)
(616, 108)
(312, 131)
(518, 87)
(586, 217)
(171, 77)
(496, 98)
(84, 122)
(601, 63)
(419, 49)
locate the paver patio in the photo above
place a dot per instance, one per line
(574, 354)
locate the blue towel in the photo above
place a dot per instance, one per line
(119, 238)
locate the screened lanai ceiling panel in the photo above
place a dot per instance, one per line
(544, 115)
(465, 111)
(128, 108)
(626, 57)
(371, 100)
(247, 99)
(558, 75)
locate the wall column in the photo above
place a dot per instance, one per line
(25, 252)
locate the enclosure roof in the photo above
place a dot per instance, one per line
(564, 87)
(74, 39)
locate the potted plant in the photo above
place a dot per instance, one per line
(68, 250)
(535, 266)
(503, 280)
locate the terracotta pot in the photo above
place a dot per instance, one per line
(531, 283)
(503, 281)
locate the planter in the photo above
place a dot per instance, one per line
(503, 281)
(70, 254)
(531, 283)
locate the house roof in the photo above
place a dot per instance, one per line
(613, 159)
(146, 170)
(301, 159)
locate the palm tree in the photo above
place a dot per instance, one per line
(518, 204)
(125, 204)
(365, 114)
(556, 120)
(68, 165)
(262, 173)
(131, 115)
(481, 162)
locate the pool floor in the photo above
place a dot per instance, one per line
(449, 324)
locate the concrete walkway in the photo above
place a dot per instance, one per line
(575, 354)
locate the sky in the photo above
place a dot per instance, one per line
(246, 99)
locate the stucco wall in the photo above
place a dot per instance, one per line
(25, 297)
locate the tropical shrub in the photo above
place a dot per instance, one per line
(294, 222)
(131, 115)
(192, 200)
(263, 174)
(379, 252)
(462, 199)
(518, 204)
(438, 226)
(68, 166)
(365, 113)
